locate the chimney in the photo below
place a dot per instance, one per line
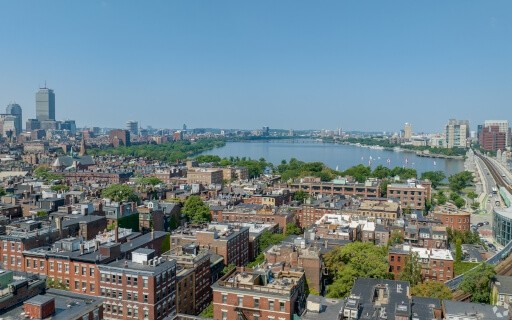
(152, 234)
(81, 248)
(116, 234)
(58, 223)
(96, 245)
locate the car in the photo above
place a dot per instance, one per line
(480, 224)
(486, 223)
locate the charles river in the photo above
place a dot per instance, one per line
(339, 156)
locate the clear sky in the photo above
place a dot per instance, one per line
(359, 65)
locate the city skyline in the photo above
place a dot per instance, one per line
(232, 65)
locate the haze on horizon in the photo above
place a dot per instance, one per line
(359, 65)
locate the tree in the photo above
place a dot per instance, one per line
(381, 172)
(208, 311)
(432, 289)
(441, 198)
(412, 269)
(436, 177)
(360, 172)
(396, 237)
(227, 269)
(300, 195)
(120, 192)
(268, 238)
(196, 210)
(459, 181)
(472, 195)
(357, 259)
(459, 202)
(458, 250)
(292, 229)
(477, 282)
(384, 188)
(2, 192)
(44, 172)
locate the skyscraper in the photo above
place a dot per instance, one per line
(457, 133)
(133, 127)
(408, 131)
(14, 110)
(45, 104)
(502, 127)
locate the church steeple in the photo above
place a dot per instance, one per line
(83, 150)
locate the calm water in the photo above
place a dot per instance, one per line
(334, 155)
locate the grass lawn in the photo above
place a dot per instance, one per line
(462, 267)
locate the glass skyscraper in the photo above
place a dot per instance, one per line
(45, 104)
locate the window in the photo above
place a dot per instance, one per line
(103, 292)
(59, 267)
(256, 302)
(66, 267)
(77, 284)
(84, 271)
(76, 269)
(5, 244)
(120, 279)
(145, 298)
(91, 287)
(146, 314)
(281, 306)
(399, 258)
(91, 272)
(120, 295)
(224, 315)
(135, 296)
(135, 281)
(144, 283)
(129, 281)
(240, 301)
(271, 305)
(135, 312)
(392, 258)
(28, 263)
(129, 312)
(51, 265)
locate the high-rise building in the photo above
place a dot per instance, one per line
(457, 133)
(45, 104)
(33, 124)
(408, 131)
(503, 127)
(492, 139)
(133, 127)
(14, 110)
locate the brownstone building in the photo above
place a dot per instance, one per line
(412, 195)
(436, 264)
(229, 241)
(453, 218)
(259, 294)
(204, 176)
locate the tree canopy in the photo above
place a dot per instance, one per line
(436, 177)
(46, 174)
(355, 260)
(477, 282)
(459, 181)
(431, 289)
(120, 192)
(196, 210)
(292, 229)
(412, 269)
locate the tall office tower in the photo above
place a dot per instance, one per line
(502, 127)
(45, 104)
(33, 124)
(14, 110)
(133, 127)
(408, 131)
(457, 133)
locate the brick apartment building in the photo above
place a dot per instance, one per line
(205, 176)
(229, 241)
(253, 213)
(436, 264)
(313, 210)
(143, 287)
(119, 137)
(369, 189)
(193, 278)
(412, 195)
(259, 294)
(384, 209)
(453, 218)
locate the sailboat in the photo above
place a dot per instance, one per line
(337, 168)
(435, 163)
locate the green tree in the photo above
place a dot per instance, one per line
(458, 250)
(384, 188)
(357, 259)
(381, 172)
(360, 172)
(436, 177)
(441, 198)
(119, 192)
(196, 210)
(292, 229)
(459, 202)
(472, 195)
(208, 311)
(300, 195)
(59, 188)
(268, 239)
(396, 237)
(412, 269)
(459, 181)
(477, 282)
(432, 289)
(2, 192)
(44, 172)
(227, 269)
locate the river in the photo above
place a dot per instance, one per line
(339, 156)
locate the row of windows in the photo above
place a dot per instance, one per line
(279, 306)
(14, 245)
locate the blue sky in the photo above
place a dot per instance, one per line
(361, 65)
